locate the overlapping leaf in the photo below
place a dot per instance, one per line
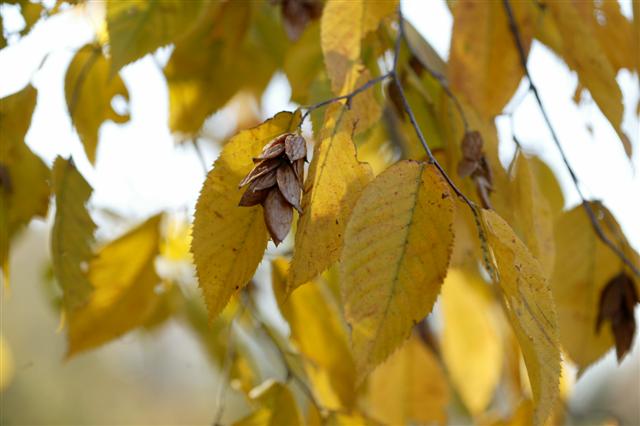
(89, 89)
(343, 26)
(276, 406)
(583, 267)
(530, 308)
(484, 64)
(570, 35)
(137, 28)
(320, 335)
(228, 240)
(24, 187)
(471, 327)
(410, 387)
(72, 234)
(123, 280)
(398, 243)
(334, 182)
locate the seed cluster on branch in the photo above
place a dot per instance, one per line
(276, 182)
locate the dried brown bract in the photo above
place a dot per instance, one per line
(297, 14)
(276, 182)
(474, 163)
(617, 302)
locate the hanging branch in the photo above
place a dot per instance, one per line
(515, 32)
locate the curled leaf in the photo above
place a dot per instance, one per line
(617, 301)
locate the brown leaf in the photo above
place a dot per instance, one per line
(472, 146)
(289, 185)
(298, 169)
(278, 215)
(262, 168)
(297, 14)
(617, 302)
(295, 147)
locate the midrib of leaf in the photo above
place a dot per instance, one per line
(401, 258)
(82, 75)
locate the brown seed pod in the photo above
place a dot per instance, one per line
(298, 169)
(265, 181)
(289, 185)
(272, 151)
(262, 168)
(278, 215)
(295, 147)
(253, 197)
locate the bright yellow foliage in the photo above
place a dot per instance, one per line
(319, 333)
(72, 234)
(89, 89)
(484, 64)
(228, 240)
(583, 267)
(530, 308)
(397, 248)
(24, 187)
(333, 184)
(123, 278)
(410, 387)
(276, 406)
(137, 28)
(343, 26)
(472, 347)
(532, 216)
(581, 51)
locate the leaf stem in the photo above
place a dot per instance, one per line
(515, 32)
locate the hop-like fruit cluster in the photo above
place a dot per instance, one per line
(276, 182)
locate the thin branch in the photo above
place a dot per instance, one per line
(348, 97)
(515, 32)
(432, 160)
(200, 155)
(291, 374)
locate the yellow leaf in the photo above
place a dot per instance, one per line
(7, 368)
(236, 46)
(582, 52)
(72, 234)
(343, 26)
(398, 244)
(612, 29)
(140, 27)
(531, 213)
(24, 187)
(228, 240)
(471, 327)
(548, 184)
(319, 333)
(583, 267)
(89, 89)
(276, 407)
(410, 387)
(123, 278)
(303, 63)
(334, 182)
(484, 63)
(529, 306)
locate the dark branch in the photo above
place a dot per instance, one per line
(348, 97)
(515, 32)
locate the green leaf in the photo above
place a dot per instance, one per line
(72, 234)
